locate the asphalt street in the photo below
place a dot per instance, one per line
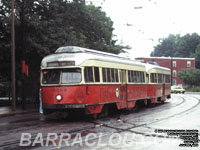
(173, 125)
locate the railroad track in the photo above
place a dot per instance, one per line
(183, 100)
(146, 125)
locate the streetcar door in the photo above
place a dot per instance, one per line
(123, 88)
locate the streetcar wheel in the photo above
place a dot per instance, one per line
(135, 108)
(94, 116)
(104, 111)
(153, 104)
(148, 103)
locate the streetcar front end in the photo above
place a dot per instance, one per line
(61, 89)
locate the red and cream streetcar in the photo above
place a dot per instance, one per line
(76, 78)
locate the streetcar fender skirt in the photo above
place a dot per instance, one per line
(119, 106)
(131, 104)
(163, 98)
(93, 109)
(154, 100)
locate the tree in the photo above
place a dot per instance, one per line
(167, 46)
(179, 46)
(186, 45)
(190, 76)
(197, 56)
(49, 24)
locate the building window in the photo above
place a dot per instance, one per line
(188, 63)
(174, 73)
(174, 63)
(174, 81)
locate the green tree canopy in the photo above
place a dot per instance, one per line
(179, 46)
(44, 25)
(197, 56)
(186, 45)
(166, 47)
(190, 76)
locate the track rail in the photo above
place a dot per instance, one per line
(183, 100)
(146, 125)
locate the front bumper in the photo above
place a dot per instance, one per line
(62, 106)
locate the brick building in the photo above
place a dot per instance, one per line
(173, 63)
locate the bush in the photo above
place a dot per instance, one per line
(190, 76)
(193, 89)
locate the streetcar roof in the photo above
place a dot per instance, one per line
(75, 49)
(81, 55)
(157, 69)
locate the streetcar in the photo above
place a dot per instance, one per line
(79, 79)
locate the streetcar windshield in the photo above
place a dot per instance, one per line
(51, 76)
(63, 76)
(72, 75)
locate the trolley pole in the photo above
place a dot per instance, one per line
(13, 57)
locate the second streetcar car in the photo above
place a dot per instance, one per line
(76, 78)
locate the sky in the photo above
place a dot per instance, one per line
(141, 23)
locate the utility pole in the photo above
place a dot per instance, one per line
(13, 57)
(23, 56)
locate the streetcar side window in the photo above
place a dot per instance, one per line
(136, 76)
(147, 78)
(104, 74)
(120, 72)
(153, 78)
(108, 75)
(143, 78)
(130, 77)
(116, 75)
(123, 76)
(88, 74)
(112, 75)
(160, 78)
(167, 79)
(96, 74)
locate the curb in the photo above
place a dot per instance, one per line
(192, 92)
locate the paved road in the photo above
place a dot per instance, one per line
(149, 128)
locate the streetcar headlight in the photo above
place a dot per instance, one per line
(59, 97)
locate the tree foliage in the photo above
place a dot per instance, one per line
(197, 56)
(187, 44)
(44, 25)
(167, 46)
(179, 46)
(190, 76)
